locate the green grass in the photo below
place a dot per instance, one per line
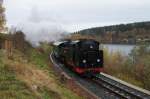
(42, 61)
(11, 87)
(38, 59)
(48, 94)
(14, 87)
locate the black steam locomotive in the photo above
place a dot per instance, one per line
(82, 56)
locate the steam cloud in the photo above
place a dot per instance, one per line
(39, 28)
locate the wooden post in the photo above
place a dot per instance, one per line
(8, 47)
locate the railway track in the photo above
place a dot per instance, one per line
(108, 87)
(120, 89)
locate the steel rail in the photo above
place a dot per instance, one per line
(119, 89)
(116, 87)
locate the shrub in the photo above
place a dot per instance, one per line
(134, 68)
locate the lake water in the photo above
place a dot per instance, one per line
(123, 49)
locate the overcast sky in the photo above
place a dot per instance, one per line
(73, 15)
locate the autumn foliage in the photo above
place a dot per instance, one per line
(134, 68)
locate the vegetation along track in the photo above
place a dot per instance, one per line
(106, 87)
(126, 91)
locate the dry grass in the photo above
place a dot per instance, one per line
(39, 83)
(35, 79)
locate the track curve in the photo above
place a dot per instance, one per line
(103, 86)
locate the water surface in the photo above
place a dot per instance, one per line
(123, 49)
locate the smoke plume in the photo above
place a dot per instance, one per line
(39, 28)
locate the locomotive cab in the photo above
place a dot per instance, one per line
(88, 57)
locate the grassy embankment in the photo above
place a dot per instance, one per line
(29, 76)
(134, 68)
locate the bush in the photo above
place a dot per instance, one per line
(113, 62)
(1, 56)
(134, 68)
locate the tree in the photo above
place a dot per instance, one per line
(19, 40)
(2, 17)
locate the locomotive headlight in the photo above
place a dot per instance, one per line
(84, 61)
(98, 60)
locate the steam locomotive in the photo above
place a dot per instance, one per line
(82, 56)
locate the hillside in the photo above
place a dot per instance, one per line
(26, 72)
(123, 33)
